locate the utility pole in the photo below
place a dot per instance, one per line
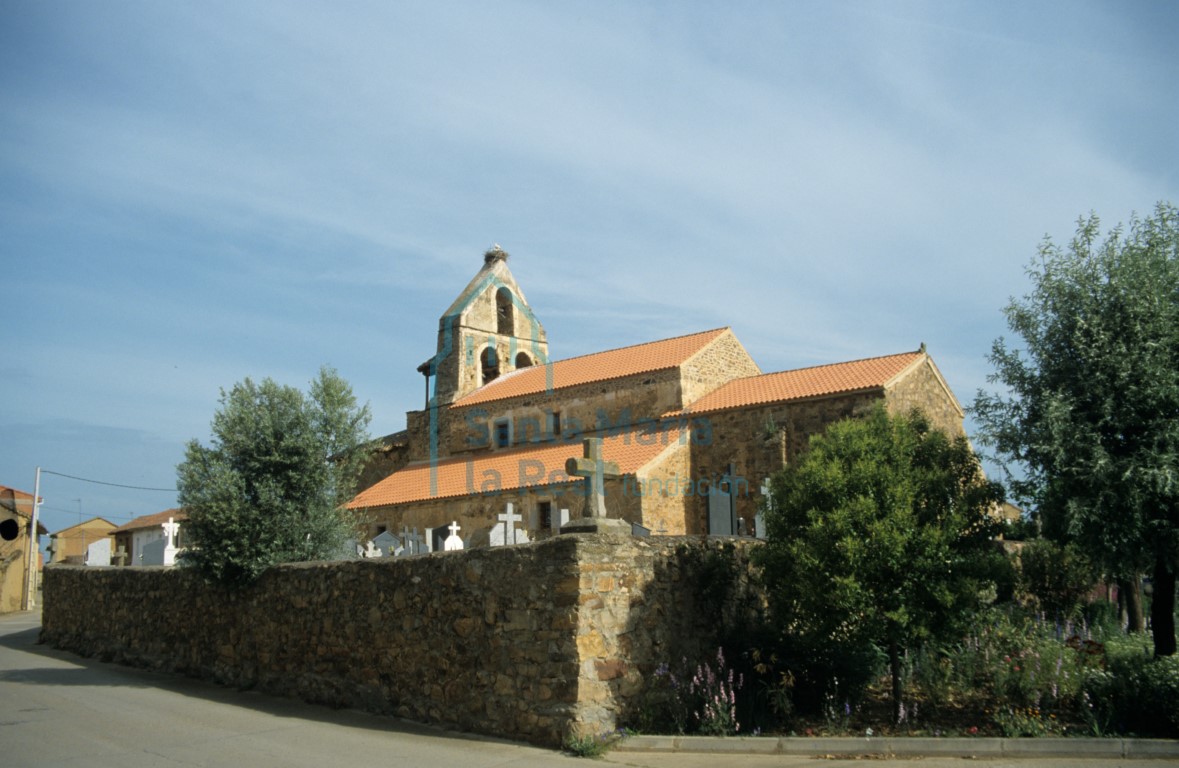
(31, 572)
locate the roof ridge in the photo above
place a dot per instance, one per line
(634, 346)
(829, 365)
(570, 370)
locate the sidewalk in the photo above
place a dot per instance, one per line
(984, 747)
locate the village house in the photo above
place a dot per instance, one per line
(74, 544)
(16, 511)
(153, 539)
(690, 428)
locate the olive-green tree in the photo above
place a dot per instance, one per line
(1057, 575)
(1089, 422)
(270, 487)
(880, 535)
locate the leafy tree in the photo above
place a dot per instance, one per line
(1091, 415)
(1057, 575)
(880, 535)
(271, 486)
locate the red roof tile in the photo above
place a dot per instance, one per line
(819, 381)
(534, 465)
(600, 366)
(151, 521)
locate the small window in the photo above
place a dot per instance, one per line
(555, 423)
(523, 360)
(545, 510)
(503, 433)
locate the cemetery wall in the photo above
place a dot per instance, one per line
(535, 642)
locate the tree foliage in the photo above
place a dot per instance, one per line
(879, 536)
(1090, 419)
(1058, 576)
(270, 487)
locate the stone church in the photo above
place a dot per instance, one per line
(690, 426)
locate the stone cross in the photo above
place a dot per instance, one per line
(509, 519)
(453, 541)
(595, 470)
(120, 554)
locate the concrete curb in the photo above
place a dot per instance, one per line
(906, 746)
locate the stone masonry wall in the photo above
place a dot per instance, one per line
(721, 361)
(596, 406)
(535, 642)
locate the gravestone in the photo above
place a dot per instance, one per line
(759, 520)
(412, 542)
(349, 550)
(99, 553)
(386, 545)
(505, 532)
(453, 542)
(153, 553)
(722, 506)
(120, 556)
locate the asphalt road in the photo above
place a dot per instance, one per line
(57, 709)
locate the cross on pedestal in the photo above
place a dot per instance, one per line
(171, 528)
(453, 542)
(120, 555)
(509, 519)
(595, 470)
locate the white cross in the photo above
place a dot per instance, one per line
(509, 519)
(453, 542)
(171, 528)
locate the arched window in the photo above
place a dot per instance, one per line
(523, 360)
(489, 362)
(505, 324)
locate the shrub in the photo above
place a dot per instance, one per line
(1135, 692)
(699, 699)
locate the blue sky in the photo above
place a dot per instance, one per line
(194, 193)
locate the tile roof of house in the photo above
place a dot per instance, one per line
(600, 366)
(819, 381)
(533, 465)
(85, 524)
(151, 521)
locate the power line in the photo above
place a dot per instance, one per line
(100, 482)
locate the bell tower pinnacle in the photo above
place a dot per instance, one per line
(487, 332)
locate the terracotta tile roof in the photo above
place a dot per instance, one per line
(534, 465)
(819, 381)
(600, 366)
(151, 521)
